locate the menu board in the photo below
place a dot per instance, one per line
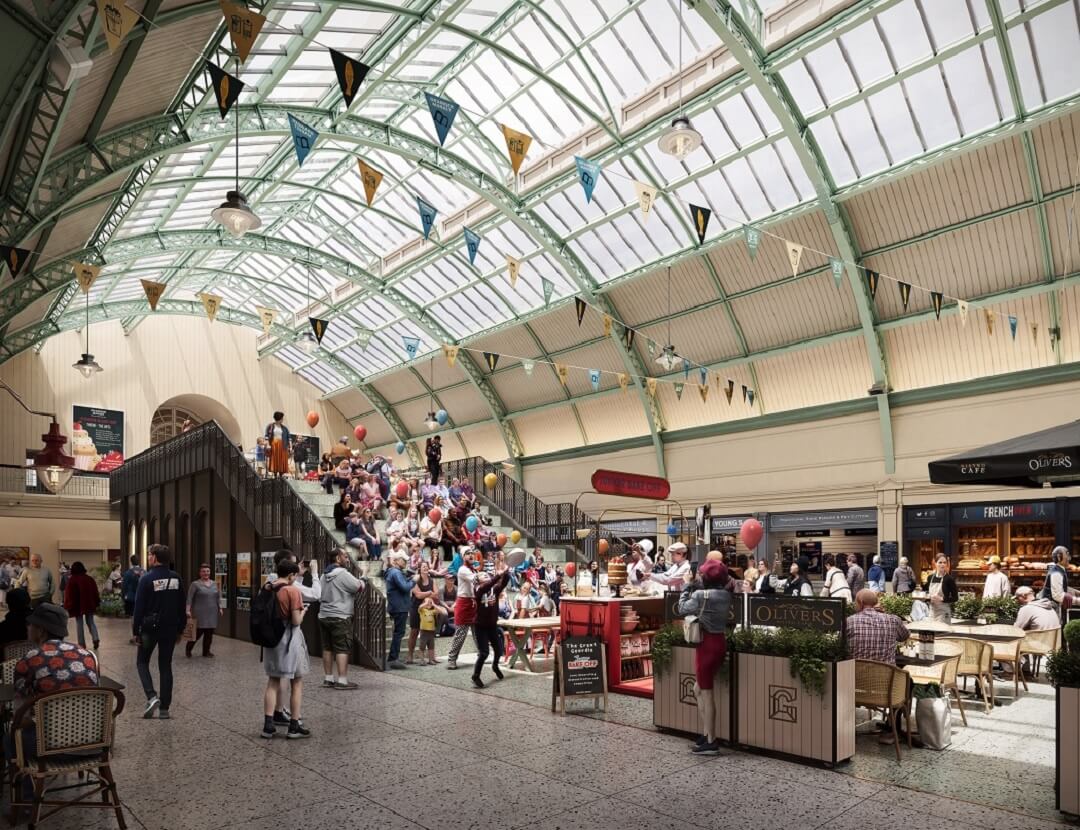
(890, 555)
(580, 671)
(243, 581)
(97, 439)
(221, 577)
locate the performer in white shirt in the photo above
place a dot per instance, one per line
(641, 565)
(997, 583)
(672, 578)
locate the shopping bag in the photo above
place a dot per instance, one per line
(189, 630)
(934, 720)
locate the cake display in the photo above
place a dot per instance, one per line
(83, 449)
(616, 572)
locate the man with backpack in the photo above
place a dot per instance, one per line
(276, 614)
(339, 590)
(160, 615)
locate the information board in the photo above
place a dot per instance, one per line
(580, 671)
(890, 555)
(243, 581)
(221, 577)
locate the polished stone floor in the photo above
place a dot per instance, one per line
(420, 748)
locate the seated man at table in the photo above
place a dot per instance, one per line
(873, 634)
(1035, 614)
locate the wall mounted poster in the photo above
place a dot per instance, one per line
(97, 438)
(221, 577)
(269, 572)
(243, 581)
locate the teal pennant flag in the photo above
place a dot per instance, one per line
(442, 111)
(588, 174)
(472, 244)
(427, 215)
(303, 137)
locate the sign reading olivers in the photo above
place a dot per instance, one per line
(795, 612)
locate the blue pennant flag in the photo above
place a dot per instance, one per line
(594, 379)
(427, 215)
(1012, 325)
(588, 174)
(443, 111)
(703, 373)
(686, 368)
(412, 346)
(750, 396)
(472, 244)
(303, 138)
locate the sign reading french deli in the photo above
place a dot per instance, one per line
(634, 485)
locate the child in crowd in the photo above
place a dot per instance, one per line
(428, 623)
(260, 457)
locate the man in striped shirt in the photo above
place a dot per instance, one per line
(873, 634)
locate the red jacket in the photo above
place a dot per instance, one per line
(81, 595)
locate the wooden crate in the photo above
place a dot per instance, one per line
(1068, 749)
(674, 704)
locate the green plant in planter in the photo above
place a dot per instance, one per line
(1001, 609)
(967, 607)
(898, 604)
(1071, 635)
(112, 605)
(921, 691)
(663, 642)
(807, 651)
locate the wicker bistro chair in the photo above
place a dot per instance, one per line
(976, 660)
(886, 689)
(1009, 654)
(18, 649)
(1040, 644)
(74, 731)
(943, 672)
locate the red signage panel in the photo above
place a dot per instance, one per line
(614, 483)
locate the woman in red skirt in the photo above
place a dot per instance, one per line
(277, 435)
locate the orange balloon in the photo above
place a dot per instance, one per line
(501, 539)
(313, 419)
(602, 546)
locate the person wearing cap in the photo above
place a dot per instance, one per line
(398, 601)
(675, 576)
(1035, 614)
(710, 603)
(1056, 585)
(997, 583)
(464, 608)
(876, 576)
(640, 564)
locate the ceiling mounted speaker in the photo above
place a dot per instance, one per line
(69, 63)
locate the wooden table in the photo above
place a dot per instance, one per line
(990, 633)
(7, 690)
(521, 632)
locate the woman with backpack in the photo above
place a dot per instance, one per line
(276, 613)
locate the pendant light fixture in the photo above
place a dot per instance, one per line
(668, 358)
(86, 365)
(432, 421)
(234, 214)
(680, 139)
(307, 342)
(54, 469)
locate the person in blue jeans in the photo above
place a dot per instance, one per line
(160, 617)
(398, 590)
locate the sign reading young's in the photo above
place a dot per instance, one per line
(97, 438)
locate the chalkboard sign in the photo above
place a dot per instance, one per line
(890, 555)
(1072, 614)
(580, 671)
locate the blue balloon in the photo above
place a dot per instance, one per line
(672, 530)
(400, 447)
(472, 523)
(442, 417)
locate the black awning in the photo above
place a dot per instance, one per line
(1050, 455)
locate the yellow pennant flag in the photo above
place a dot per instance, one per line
(624, 380)
(646, 196)
(116, 21)
(371, 178)
(211, 303)
(85, 275)
(517, 145)
(794, 253)
(513, 267)
(153, 290)
(562, 371)
(650, 386)
(607, 325)
(989, 321)
(244, 26)
(266, 317)
(703, 389)
(451, 353)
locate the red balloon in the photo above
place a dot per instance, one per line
(751, 533)
(500, 539)
(571, 569)
(435, 515)
(401, 489)
(313, 419)
(360, 432)
(603, 546)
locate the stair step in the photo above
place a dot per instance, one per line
(306, 486)
(320, 497)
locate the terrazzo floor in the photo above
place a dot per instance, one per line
(422, 748)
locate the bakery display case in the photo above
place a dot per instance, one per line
(975, 544)
(1024, 548)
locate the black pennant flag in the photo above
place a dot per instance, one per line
(226, 87)
(350, 74)
(492, 360)
(872, 281)
(935, 298)
(744, 390)
(701, 218)
(729, 390)
(628, 338)
(579, 306)
(14, 258)
(905, 293)
(319, 327)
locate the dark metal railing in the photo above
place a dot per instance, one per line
(272, 505)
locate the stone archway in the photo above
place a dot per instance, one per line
(170, 416)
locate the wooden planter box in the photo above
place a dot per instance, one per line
(1067, 781)
(777, 714)
(674, 704)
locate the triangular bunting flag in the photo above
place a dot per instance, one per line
(116, 21)
(517, 146)
(1055, 334)
(624, 380)
(451, 353)
(318, 326)
(1034, 332)
(472, 244)
(491, 360)
(363, 337)
(303, 137)
(594, 379)
(528, 366)
(266, 317)
(210, 303)
(652, 348)
(607, 325)
(905, 293)
(85, 275)
(962, 307)
(686, 368)
(350, 74)
(701, 217)
(750, 396)
(14, 258)
(794, 255)
(427, 216)
(703, 390)
(513, 269)
(1012, 326)
(729, 390)
(837, 271)
(588, 174)
(226, 87)
(628, 338)
(243, 25)
(646, 197)
(872, 281)
(703, 373)
(579, 307)
(549, 288)
(442, 112)
(562, 371)
(411, 344)
(744, 393)
(371, 178)
(650, 387)
(989, 316)
(753, 239)
(935, 300)
(153, 290)
(679, 390)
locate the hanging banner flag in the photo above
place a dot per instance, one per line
(318, 326)
(703, 373)
(427, 215)
(85, 275)
(350, 74)
(411, 344)
(607, 325)
(549, 288)
(442, 112)
(686, 368)
(905, 293)
(872, 281)
(935, 299)
(989, 315)
(451, 353)
(588, 174)
(1034, 332)
(491, 360)
(652, 348)
(750, 396)
(210, 303)
(562, 371)
(703, 390)
(303, 137)
(226, 87)
(624, 380)
(837, 270)
(701, 218)
(594, 379)
(679, 390)
(243, 25)
(153, 290)
(794, 255)
(513, 269)
(116, 21)
(744, 393)
(266, 317)
(517, 146)
(962, 307)
(752, 236)
(1012, 325)
(528, 366)
(579, 307)
(650, 387)
(371, 178)
(363, 337)
(729, 390)
(15, 258)
(628, 338)
(646, 197)
(472, 243)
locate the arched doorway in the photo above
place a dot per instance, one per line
(169, 419)
(168, 422)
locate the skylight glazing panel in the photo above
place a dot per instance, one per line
(861, 138)
(975, 100)
(321, 376)
(830, 70)
(357, 360)
(906, 35)
(949, 20)
(712, 191)
(598, 252)
(894, 119)
(833, 151)
(562, 212)
(1056, 33)
(801, 86)
(933, 109)
(533, 42)
(373, 312)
